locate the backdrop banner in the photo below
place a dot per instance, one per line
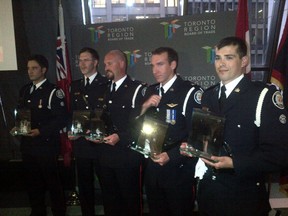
(193, 37)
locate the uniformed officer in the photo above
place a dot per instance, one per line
(87, 94)
(255, 130)
(41, 146)
(169, 176)
(120, 166)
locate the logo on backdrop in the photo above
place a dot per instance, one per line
(199, 27)
(170, 28)
(125, 33)
(210, 54)
(132, 57)
(96, 33)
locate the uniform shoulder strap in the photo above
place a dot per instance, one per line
(186, 100)
(257, 121)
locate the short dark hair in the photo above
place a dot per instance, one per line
(92, 51)
(172, 54)
(235, 41)
(40, 59)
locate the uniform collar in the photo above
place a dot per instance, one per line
(168, 84)
(231, 85)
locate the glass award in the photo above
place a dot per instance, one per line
(88, 124)
(151, 138)
(97, 130)
(206, 137)
(80, 123)
(22, 122)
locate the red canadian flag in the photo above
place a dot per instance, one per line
(63, 81)
(242, 27)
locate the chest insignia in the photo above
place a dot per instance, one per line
(171, 105)
(237, 90)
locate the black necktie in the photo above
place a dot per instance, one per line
(87, 82)
(113, 88)
(162, 91)
(33, 88)
(222, 97)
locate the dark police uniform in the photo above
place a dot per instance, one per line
(86, 152)
(40, 153)
(170, 187)
(256, 131)
(120, 166)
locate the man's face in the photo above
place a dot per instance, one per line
(35, 72)
(87, 64)
(228, 63)
(163, 71)
(113, 67)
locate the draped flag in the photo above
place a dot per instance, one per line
(242, 27)
(63, 81)
(280, 66)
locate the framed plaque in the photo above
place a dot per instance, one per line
(22, 122)
(89, 124)
(151, 138)
(207, 135)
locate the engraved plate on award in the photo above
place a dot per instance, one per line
(206, 137)
(80, 123)
(97, 126)
(22, 122)
(151, 138)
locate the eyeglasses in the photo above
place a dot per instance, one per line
(85, 60)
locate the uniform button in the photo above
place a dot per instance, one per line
(258, 184)
(123, 107)
(87, 107)
(239, 126)
(213, 177)
(110, 102)
(86, 96)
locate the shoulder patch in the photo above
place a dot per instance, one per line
(198, 96)
(277, 99)
(59, 94)
(144, 90)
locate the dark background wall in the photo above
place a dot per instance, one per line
(35, 24)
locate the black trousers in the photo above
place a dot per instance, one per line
(121, 188)
(42, 174)
(86, 170)
(170, 189)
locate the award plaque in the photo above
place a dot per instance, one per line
(80, 123)
(88, 124)
(151, 138)
(206, 137)
(22, 122)
(97, 129)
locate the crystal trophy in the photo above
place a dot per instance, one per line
(80, 123)
(88, 124)
(151, 138)
(206, 137)
(97, 130)
(22, 122)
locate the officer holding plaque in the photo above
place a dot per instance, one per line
(87, 98)
(120, 166)
(40, 143)
(233, 183)
(169, 176)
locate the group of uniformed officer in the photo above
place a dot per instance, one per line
(169, 176)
